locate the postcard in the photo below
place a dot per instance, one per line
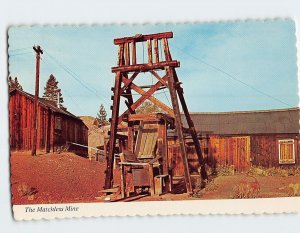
(117, 120)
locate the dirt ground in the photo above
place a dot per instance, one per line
(68, 178)
(54, 178)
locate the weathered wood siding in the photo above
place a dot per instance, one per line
(21, 110)
(265, 149)
(229, 151)
(71, 131)
(222, 151)
(238, 151)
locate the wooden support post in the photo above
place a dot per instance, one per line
(156, 52)
(48, 131)
(123, 181)
(38, 52)
(128, 95)
(151, 180)
(131, 136)
(149, 42)
(164, 148)
(105, 148)
(178, 127)
(133, 53)
(121, 55)
(113, 131)
(192, 129)
(166, 49)
(127, 54)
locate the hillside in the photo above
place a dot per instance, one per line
(88, 121)
(95, 135)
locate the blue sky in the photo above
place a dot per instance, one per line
(229, 66)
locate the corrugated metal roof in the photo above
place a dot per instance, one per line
(247, 122)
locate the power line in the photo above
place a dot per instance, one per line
(72, 74)
(167, 98)
(19, 49)
(232, 77)
(73, 100)
(18, 54)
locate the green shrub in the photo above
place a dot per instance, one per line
(274, 171)
(227, 170)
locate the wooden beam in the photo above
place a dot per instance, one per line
(127, 54)
(144, 117)
(149, 43)
(113, 132)
(166, 49)
(150, 117)
(157, 102)
(192, 129)
(140, 37)
(128, 83)
(159, 78)
(178, 128)
(151, 180)
(131, 136)
(120, 55)
(123, 182)
(133, 53)
(145, 67)
(129, 94)
(156, 52)
(146, 95)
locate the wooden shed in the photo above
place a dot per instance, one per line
(268, 138)
(56, 126)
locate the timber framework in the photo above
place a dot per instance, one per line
(148, 164)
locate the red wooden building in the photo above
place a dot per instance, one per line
(56, 126)
(268, 138)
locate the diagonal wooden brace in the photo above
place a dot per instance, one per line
(145, 96)
(135, 74)
(159, 78)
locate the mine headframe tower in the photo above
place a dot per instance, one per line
(127, 71)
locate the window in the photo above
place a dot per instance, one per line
(58, 123)
(286, 151)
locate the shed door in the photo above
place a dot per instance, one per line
(241, 153)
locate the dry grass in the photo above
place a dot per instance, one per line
(294, 189)
(246, 189)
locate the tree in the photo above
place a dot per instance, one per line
(100, 119)
(52, 92)
(148, 107)
(14, 84)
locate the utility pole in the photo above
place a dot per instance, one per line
(38, 52)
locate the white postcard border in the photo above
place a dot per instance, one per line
(192, 207)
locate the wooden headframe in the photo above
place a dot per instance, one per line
(127, 71)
